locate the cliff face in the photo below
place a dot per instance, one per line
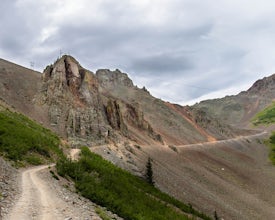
(74, 106)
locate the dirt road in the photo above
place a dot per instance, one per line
(39, 200)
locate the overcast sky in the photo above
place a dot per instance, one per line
(183, 51)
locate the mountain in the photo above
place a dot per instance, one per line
(94, 108)
(238, 110)
(126, 125)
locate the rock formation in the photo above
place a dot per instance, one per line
(78, 107)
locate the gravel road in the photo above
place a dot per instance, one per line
(43, 198)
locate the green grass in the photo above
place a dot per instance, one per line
(265, 117)
(24, 141)
(121, 192)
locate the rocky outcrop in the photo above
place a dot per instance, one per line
(80, 110)
(109, 78)
(114, 116)
(75, 108)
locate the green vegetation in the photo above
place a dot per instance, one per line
(102, 213)
(121, 192)
(271, 143)
(24, 141)
(267, 116)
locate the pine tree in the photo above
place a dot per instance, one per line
(149, 172)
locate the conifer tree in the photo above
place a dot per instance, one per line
(149, 172)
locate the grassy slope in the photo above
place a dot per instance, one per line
(266, 117)
(121, 192)
(24, 141)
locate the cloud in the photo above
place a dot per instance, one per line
(181, 50)
(161, 64)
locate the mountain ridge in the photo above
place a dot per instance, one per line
(88, 107)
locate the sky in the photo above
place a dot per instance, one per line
(182, 51)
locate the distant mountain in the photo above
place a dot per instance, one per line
(238, 110)
(93, 108)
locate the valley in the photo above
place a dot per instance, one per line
(208, 156)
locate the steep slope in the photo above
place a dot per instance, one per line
(26, 142)
(239, 109)
(88, 108)
(18, 87)
(170, 124)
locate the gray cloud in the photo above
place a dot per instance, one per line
(179, 49)
(161, 64)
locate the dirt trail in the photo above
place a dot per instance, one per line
(39, 201)
(214, 143)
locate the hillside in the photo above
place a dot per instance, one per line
(238, 110)
(196, 156)
(24, 142)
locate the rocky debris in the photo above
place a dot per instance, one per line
(212, 125)
(9, 189)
